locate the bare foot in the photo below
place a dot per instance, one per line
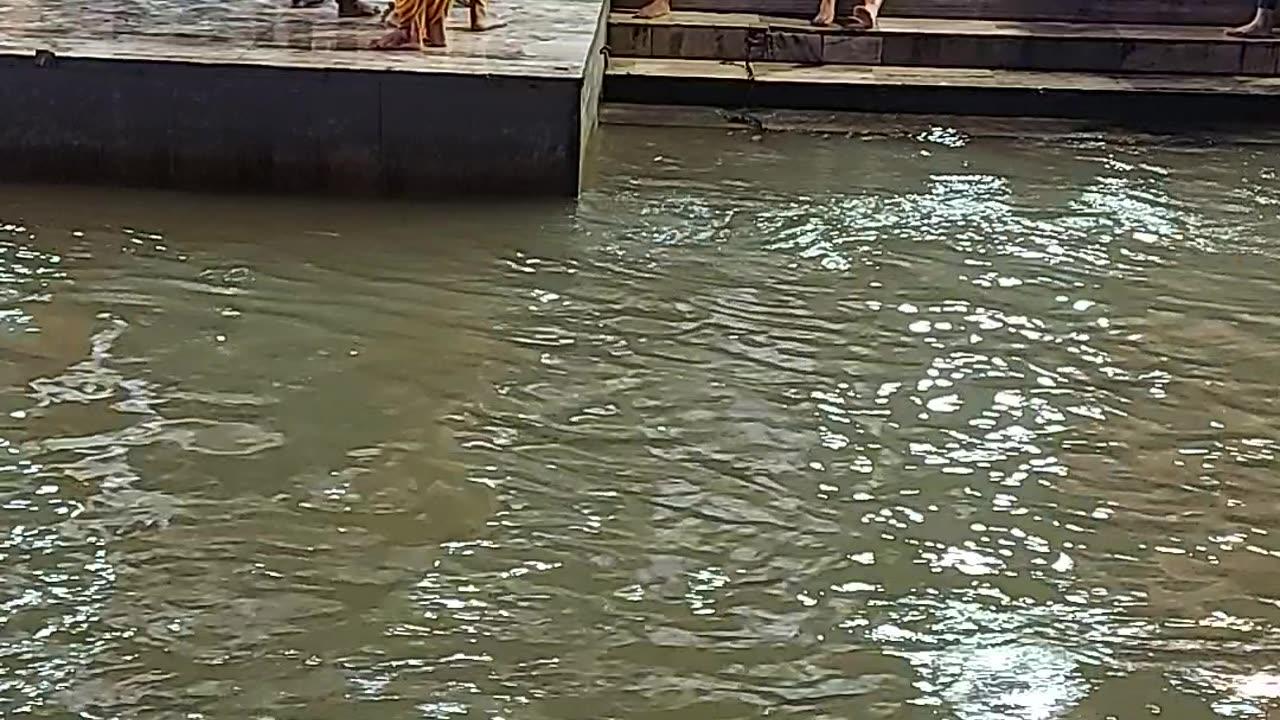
(482, 21)
(655, 9)
(864, 18)
(1262, 25)
(355, 9)
(826, 13)
(398, 39)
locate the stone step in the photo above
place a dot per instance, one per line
(1171, 12)
(937, 43)
(1147, 98)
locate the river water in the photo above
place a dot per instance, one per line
(924, 427)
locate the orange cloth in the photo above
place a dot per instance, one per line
(417, 16)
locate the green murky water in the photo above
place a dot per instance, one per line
(803, 428)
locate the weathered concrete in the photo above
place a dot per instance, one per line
(1185, 101)
(1174, 12)
(255, 97)
(934, 42)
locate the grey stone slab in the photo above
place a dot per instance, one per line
(276, 128)
(64, 120)
(507, 135)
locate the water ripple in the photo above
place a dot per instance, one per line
(926, 427)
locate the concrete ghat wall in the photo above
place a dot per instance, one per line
(1176, 12)
(593, 86)
(246, 127)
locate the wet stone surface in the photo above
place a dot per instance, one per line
(541, 36)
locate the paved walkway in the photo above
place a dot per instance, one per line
(545, 37)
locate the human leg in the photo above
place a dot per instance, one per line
(826, 13)
(481, 20)
(655, 9)
(866, 14)
(1264, 21)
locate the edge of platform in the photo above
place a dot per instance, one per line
(224, 121)
(954, 91)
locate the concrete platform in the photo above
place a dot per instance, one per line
(852, 124)
(1132, 61)
(935, 42)
(1187, 101)
(250, 95)
(1172, 12)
